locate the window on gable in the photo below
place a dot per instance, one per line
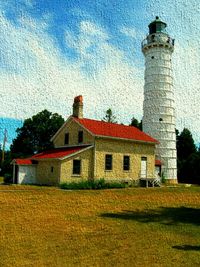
(77, 166)
(108, 162)
(51, 169)
(126, 163)
(80, 137)
(66, 138)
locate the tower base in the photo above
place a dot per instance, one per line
(171, 181)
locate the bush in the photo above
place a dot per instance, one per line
(97, 184)
(8, 178)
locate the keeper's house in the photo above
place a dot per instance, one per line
(87, 149)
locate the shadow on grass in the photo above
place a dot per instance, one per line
(187, 247)
(164, 215)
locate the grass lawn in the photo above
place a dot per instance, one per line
(43, 226)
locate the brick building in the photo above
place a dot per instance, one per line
(87, 149)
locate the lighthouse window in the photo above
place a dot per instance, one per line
(160, 119)
(152, 57)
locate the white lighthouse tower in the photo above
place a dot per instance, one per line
(159, 106)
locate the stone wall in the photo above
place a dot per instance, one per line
(72, 128)
(48, 172)
(86, 158)
(119, 149)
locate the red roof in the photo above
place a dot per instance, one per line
(102, 128)
(23, 161)
(55, 153)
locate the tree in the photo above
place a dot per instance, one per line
(190, 171)
(185, 144)
(187, 158)
(109, 117)
(136, 123)
(35, 134)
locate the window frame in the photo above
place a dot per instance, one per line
(108, 157)
(80, 137)
(126, 164)
(66, 135)
(74, 167)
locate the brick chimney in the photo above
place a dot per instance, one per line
(78, 107)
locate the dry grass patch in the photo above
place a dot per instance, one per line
(43, 226)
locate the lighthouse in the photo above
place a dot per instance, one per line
(159, 106)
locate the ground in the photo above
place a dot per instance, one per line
(46, 226)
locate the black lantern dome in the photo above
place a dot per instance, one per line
(157, 26)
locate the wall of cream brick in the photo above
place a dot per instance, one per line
(45, 175)
(119, 148)
(62, 170)
(86, 158)
(72, 128)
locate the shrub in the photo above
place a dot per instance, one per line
(96, 184)
(8, 178)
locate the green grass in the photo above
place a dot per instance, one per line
(41, 226)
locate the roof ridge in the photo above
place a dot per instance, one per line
(107, 122)
(109, 129)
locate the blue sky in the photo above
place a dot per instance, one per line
(51, 51)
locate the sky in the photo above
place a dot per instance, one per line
(54, 50)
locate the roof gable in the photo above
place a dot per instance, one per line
(22, 161)
(61, 128)
(106, 129)
(57, 153)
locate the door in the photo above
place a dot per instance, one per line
(143, 167)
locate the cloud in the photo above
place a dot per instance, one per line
(35, 75)
(129, 32)
(87, 27)
(186, 67)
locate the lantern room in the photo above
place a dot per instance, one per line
(157, 26)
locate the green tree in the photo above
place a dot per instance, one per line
(109, 117)
(35, 134)
(190, 169)
(185, 144)
(187, 157)
(6, 167)
(136, 123)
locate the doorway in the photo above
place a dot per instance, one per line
(143, 167)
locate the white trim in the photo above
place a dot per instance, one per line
(60, 129)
